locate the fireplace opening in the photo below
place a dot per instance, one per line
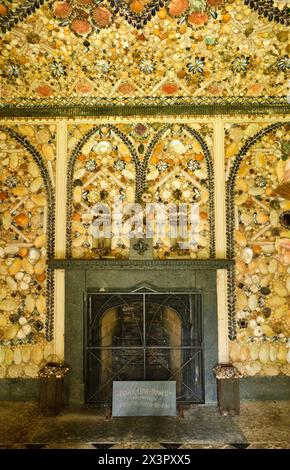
(144, 335)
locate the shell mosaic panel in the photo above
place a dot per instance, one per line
(259, 217)
(26, 241)
(145, 163)
(143, 48)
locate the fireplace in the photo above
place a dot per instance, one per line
(136, 320)
(144, 335)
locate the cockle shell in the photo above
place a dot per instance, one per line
(176, 147)
(103, 148)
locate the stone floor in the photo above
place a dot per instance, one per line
(260, 425)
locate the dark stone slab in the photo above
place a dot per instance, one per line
(144, 398)
(265, 388)
(19, 389)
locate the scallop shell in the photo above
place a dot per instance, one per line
(102, 16)
(176, 147)
(62, 10)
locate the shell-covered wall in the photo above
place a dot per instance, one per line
(143, 163)
(208, 57)
(261, 245)
(168, 160)
(27, 169)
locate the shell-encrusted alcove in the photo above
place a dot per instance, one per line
(174, 102)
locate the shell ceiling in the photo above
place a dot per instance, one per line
(141, 48)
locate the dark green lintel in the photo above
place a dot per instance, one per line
(140, 264)
(234, 107)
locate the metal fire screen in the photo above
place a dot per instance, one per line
(144, 335)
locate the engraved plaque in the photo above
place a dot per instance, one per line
(144, 398)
